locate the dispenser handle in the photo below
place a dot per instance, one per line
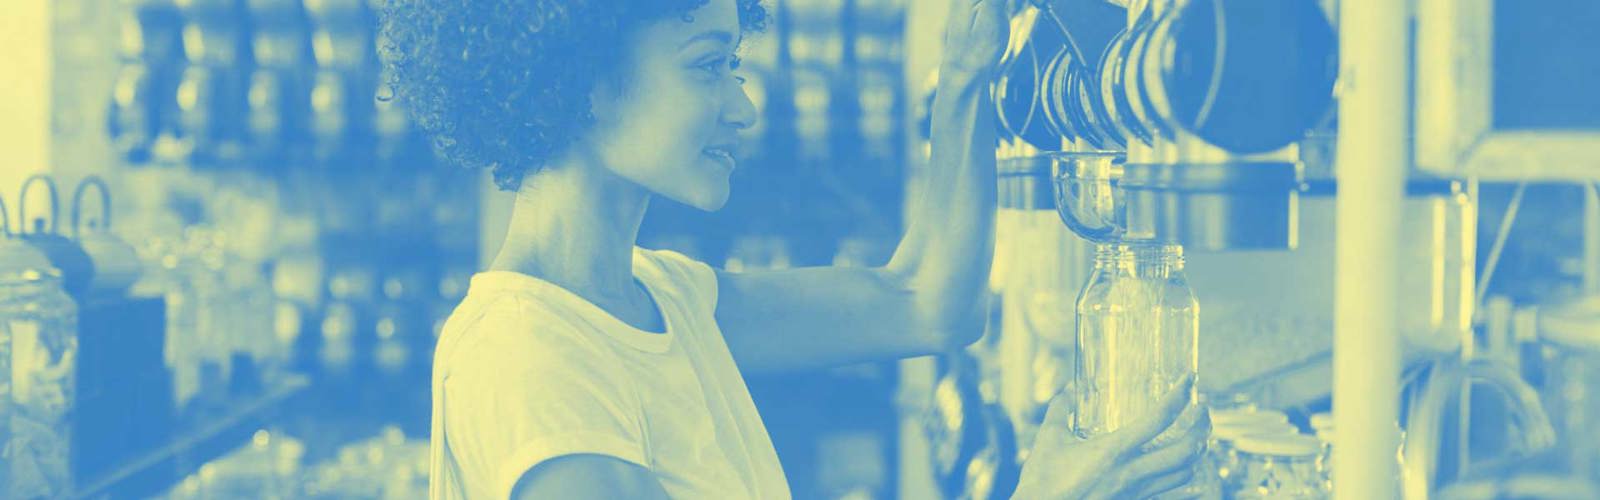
(1055, 19)
(105, 203)
(22, 202)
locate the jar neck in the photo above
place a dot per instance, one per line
(1154, 261)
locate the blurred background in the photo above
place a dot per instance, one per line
(228, 253)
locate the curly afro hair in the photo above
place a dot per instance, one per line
(504, 84)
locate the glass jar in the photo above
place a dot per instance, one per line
(39, 342)
(1278, 466)
(1228, 426)
(1138, 328)
(1322, 428)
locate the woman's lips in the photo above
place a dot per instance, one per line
(721, 155)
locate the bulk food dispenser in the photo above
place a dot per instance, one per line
(1177, 134)
(1189, 142)
(1193, 145)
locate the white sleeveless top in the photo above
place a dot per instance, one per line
(526, 371)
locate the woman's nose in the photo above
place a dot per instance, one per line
(739, 111)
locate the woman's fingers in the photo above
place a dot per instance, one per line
(1186, 438)
(1165, 486)
(1194, 422)
(1167, 411)
(1055, 430)
(1181, 454)
(1123, 482)
(976, 34)
(1059, 414)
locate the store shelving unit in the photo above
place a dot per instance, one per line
(199, 440)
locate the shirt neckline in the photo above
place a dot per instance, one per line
(596, 316)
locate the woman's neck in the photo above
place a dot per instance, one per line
(574, 224)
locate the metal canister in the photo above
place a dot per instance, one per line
(74, 265)
(115, 262)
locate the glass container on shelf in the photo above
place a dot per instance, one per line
(1227, 426)
(38, 352)
(218, 310)
(1138, 327)
(1278, 466)
(267, 466)
(1322, 428)
(164, 259)
(248, 304)
(353, 291)
(206, 276)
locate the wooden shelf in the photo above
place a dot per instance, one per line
(154, 471)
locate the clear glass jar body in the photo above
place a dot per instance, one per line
(39, 325)
(1138, 330)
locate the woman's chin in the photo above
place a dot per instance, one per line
(707, 199)
(714, 202)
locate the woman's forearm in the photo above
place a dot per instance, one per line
(948, 247)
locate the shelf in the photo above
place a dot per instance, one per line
(153, 471)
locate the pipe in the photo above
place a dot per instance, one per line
(1591, 238)
(1371, 165)
(1530, 428)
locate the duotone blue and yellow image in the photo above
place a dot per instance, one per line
(812, 249)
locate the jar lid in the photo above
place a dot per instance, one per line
(1278, 445)
(1230, 424)
(1247, 416)
(1233, 431)
(22, 262)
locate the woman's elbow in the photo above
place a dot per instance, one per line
(953, 325)
(944, 316)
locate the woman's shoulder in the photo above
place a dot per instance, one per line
(513, 330)
(692, 279)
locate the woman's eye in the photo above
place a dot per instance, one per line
(715, 66)
(721, 66)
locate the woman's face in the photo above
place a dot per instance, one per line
(674, 126)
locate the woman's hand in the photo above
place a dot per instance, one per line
(976, 35)
(932, 294)
(1123, 464)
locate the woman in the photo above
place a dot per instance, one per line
(581, 366)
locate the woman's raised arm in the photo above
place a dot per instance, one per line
(931, 293)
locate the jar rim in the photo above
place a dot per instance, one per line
(1140, 253)
(1223, 417)
(1278, 445)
